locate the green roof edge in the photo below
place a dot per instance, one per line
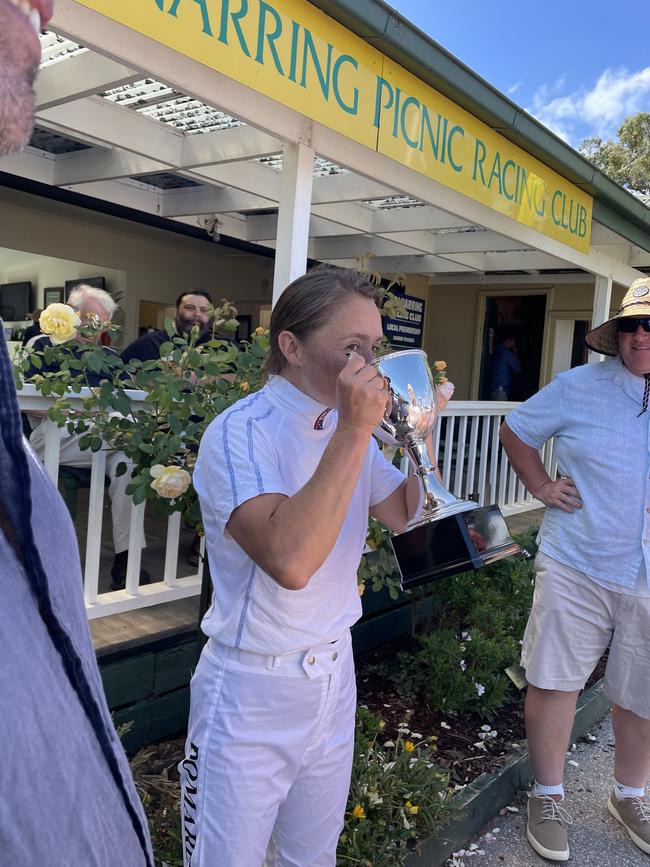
(389, 32)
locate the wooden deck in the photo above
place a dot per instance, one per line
(121, 631)
(136, 627)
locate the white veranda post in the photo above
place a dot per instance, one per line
(293, 216)
(602, 302)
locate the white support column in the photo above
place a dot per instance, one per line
(602, 303)
(293, 216)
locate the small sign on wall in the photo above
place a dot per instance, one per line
(406, 331)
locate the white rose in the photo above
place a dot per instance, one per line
(169, 482)
(59, 322)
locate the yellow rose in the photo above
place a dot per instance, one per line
(409, 746)
(440, 365)
(259, 331)
(245, 387)
(358, 812)
(59, 322)
(361, 588)
(169, 482)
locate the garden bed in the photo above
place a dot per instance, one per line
(440, 732)
(484, 780)
(456, 735)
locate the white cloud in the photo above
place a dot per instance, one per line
(514, 87)
(599, 111)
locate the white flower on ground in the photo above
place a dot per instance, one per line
(465, 636)
(480, 689)
(463, 665)
(444, 725)
(59, 322)
(169, 482)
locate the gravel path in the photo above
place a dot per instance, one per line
(596, 839)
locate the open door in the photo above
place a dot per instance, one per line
(518, 319)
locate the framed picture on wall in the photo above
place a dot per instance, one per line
(52, 295)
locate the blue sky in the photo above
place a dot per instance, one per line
(579, 67)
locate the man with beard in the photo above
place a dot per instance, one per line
(68, 796)
(193, 307)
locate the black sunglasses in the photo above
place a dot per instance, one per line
(628, 325)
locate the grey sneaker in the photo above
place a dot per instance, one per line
(546, 830)
(634, 816)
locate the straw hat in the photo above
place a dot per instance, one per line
(636, 305)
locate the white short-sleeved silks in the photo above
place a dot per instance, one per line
(272, 442)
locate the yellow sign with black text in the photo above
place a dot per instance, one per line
(295, 54)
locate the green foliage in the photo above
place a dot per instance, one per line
(378, 568)
(627, 160)
(470, 633)
(398, 797)
(184, 390)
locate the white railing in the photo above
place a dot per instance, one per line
(165, 587)
(472, 462)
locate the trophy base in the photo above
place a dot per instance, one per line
(449, 545)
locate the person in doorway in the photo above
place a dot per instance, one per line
(92, 304)
(193, 308)
(286, 480)
(68, 796)
(505, 364)
(592, 587)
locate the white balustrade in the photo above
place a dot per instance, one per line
(466, 440)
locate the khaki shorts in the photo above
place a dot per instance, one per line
(571, 624)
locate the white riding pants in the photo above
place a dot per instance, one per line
(268, 757)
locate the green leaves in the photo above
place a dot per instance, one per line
(397, 797)
(628, 159)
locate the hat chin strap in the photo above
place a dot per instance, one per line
(646, 393)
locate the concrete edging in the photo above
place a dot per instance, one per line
(481, 800)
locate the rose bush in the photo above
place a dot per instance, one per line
(184, 390)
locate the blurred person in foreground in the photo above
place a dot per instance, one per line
(67, 792)
(592, 587)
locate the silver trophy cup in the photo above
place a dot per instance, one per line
(450, 535)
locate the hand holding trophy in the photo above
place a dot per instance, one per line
(450, 535)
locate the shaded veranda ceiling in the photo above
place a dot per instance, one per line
(104, 130)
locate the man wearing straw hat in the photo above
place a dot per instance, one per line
(592, 588)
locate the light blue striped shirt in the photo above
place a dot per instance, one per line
(603, 444)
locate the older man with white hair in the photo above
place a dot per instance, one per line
(93, 305)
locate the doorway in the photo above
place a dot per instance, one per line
(513, 323)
